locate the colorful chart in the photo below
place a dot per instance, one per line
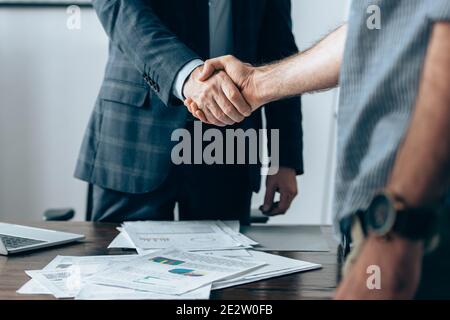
(186, 272)
(163, 260)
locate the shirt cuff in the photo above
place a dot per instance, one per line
(182, 76)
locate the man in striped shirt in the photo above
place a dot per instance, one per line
(392, 63)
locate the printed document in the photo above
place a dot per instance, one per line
(65, 275)
(275, 266)
(98, 292)
(186, 235)
(172, 271)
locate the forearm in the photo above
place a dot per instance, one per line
(313, 70)
(422, 170)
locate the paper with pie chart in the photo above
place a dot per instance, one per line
(172, 271)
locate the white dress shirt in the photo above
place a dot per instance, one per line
(220, 41)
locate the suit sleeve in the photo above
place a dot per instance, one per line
(156, 52)
(277, 42)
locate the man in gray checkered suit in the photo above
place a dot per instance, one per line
(156, 51)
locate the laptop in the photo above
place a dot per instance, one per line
(15, 238)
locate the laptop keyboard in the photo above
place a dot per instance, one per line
(11, 242)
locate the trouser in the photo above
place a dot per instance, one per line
(202, 192)
(435, 276)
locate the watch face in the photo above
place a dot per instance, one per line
(381, 215)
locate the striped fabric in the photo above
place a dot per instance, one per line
(379, 83)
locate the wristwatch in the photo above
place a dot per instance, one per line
(386, 214)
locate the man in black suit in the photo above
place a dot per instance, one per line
(157, 49)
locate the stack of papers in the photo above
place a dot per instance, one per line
(164, 274)
(186, 235)
(176, 260)
(275, 266)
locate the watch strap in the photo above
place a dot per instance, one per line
(415, 224)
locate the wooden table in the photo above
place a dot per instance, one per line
(318, 284)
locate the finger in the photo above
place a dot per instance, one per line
(227, 108)
(210, 67)
(189, 108)
(284, 204)
(217, 109)
(235, 97)
(197, 112)
(211, 118)
(194, 107)
(200, 115)
(268, 199)
(188, 103)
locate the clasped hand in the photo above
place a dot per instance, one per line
(221, 92)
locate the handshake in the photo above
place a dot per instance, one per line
(222, 92)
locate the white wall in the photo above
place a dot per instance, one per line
(313, 19)
(49, 78)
